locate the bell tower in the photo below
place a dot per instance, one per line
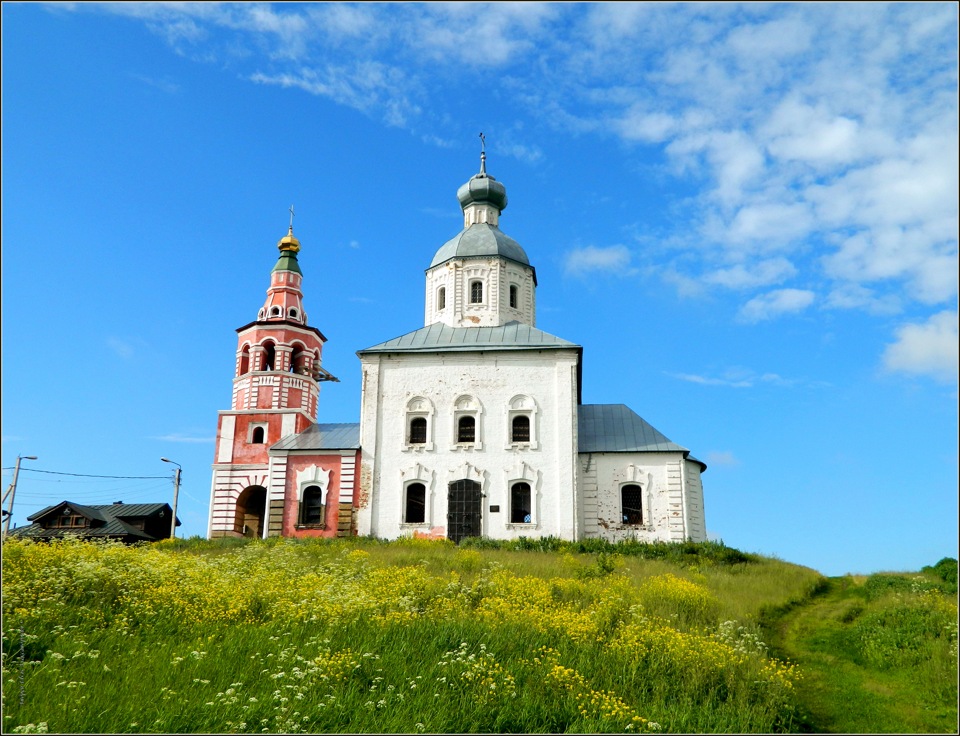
(276, 391)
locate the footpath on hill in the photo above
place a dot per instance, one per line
(836, 694)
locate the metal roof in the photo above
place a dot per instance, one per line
(439, 337)
(479, 240)
(617, 428)
(105, 511)
(111, 513)
(322, 437)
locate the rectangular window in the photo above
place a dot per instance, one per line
(416, 505)
(520, 504)
(520, 429)
(476, 292)
(631, 504)
(418, 431)
(467, 429)
(513, 297)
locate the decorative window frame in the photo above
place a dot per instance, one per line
(523, 405)
(635, 476)
(418, 407)
(481, 282)
(417, 473)
(313, 476)
(252, 427)
(301, 524)
(468, 406)
(523, 472)
(441, 303)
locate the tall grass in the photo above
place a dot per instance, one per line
(412, 636)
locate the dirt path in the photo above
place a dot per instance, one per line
(836, 694)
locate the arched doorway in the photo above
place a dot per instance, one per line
(251, 510)
(463, 510)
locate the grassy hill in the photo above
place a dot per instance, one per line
(411, 636)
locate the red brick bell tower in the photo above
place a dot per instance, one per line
(276, 389)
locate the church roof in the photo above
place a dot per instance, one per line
(441, 337)
(617, 428)
(477, 241)
(344, 436)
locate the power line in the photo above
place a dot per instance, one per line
(84, 475)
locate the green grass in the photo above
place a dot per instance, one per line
(879, 655)
(535, 636)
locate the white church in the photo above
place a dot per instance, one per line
(470, 426)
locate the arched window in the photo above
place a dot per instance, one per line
(312, 508)
(293, 313)
(520, 428)
(244, 361)
(418, 431)
(269, 356)
(514, 296)
(466, 429)
(258, 436)
(476, 292)
(415, 508)
(631, 504)
(275, 312)
(520, 507)
(441, 298)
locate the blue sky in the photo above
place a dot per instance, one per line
(746, 214)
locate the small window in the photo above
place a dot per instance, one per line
(275, 312)
(257, 437)
(418, 431)
(293, 313)
(476, 292)
(441, 298)
(520, 428)
(416, 505)
(520, 504)
(514, 296)
(631, 505)
(466, 429)
(312, 509)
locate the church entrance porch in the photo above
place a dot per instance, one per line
(463, 510)
(251, 510)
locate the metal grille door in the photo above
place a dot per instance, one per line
(463, 510)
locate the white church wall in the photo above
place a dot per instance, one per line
(492, 387)
(667, 511)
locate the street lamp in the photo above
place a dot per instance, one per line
(12, 491)
(176, 492)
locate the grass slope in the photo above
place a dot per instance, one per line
(363, 636)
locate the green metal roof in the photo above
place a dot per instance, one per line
(288, 262)
(478, 241)
(439, 337)
(617, 428)
(344, 436)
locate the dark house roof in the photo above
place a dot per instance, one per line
(135, 522)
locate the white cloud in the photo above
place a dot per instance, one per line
(706, 381)
(185, 439)
(928, 348)
(722, 458)
(121, 348)
(761, 273)
(614, 259)
(855, 296)
(776, 303)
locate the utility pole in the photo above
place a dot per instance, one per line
(12, 492)
(176, 492)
